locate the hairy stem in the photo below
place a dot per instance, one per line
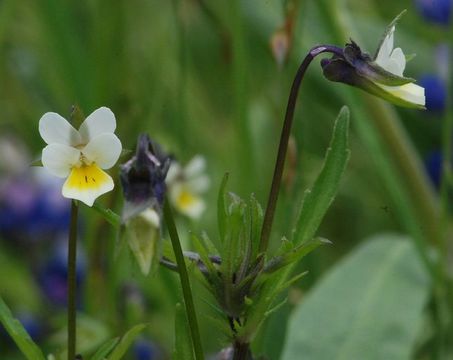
(241, 351)
(72, 281)
(185, 284)
(284, 138)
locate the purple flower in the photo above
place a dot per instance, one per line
(436, 11)
(143, 178)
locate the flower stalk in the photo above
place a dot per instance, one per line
(185, 284)
(72, 281)
(284, 138)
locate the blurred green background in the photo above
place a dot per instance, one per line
(212, 78)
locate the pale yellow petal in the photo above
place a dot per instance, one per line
(409, 92)
(87, 183)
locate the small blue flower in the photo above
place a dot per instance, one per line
(436, 11)
(53, 276)
(435, 92)
(433, 164)
(32, 325)
(31, 208)
(145, 350)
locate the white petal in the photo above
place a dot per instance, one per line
(410, 92)
(186, 202)
(87, 183)
(199, 184)
(174, 172)
(98, 122)
(195, 166)
(386, 49)
(104, 150)
(58, 159)
(54, 128)
(397, 62)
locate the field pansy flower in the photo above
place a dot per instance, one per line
(143, 182)
(381, 76)
(185, 186)
(81, 155)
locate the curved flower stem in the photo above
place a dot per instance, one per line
(284, 137)
(185, 284)
(72, 281)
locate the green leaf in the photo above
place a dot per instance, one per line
(183, 343)
(256, 218)
(294, 255)
(105, 349)
(18, 333)
(125, 342)
(318, 199)
(221, 208)
(108, 215)
(369, 305)
(91, 333)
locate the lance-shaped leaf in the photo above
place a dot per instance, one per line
(183, 344)
(18, 333)
(318, 199)
(294, 255)
(125, 342)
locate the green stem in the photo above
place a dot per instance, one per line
(185, 284)
(241, 351)
(446, 188)
(284, 138)
(72, 284)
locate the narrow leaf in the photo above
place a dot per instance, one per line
(318, 199)
(18, 333)
(221, 208)
(125, 342)
(105, 349)
(183, 343)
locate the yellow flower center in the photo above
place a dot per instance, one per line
(87, 177)
(186, 199)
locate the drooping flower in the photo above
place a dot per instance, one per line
(381, 75)
(81, 155)
(185, 186)
(143, 182)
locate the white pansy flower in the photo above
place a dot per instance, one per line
(394, 61)
(381, 75)
(81, 155)
(185, 186)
